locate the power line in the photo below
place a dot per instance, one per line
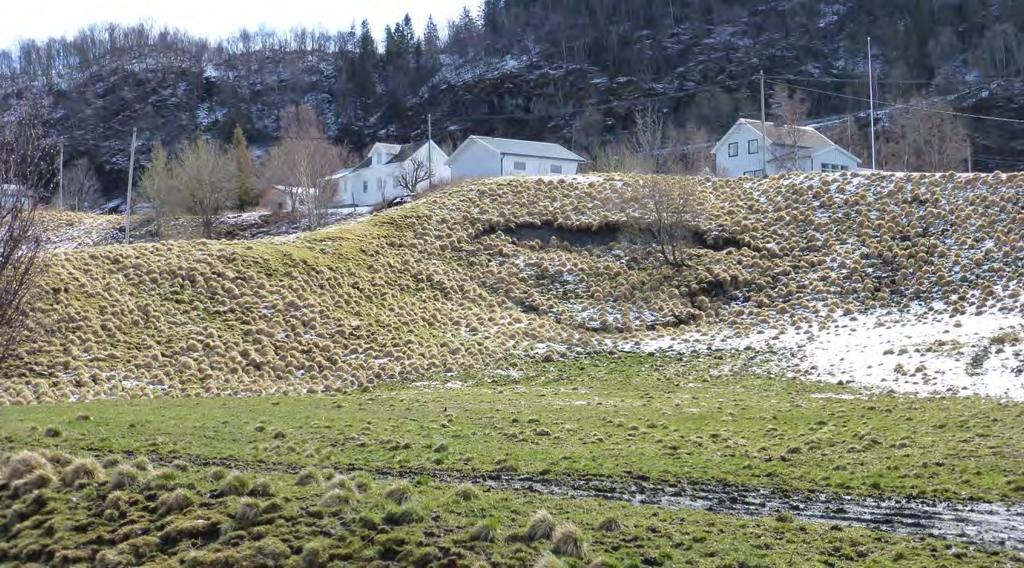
(888, 81)
(851, 80)
(902, 105)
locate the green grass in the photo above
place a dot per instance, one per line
(708, 420)
(185, 519)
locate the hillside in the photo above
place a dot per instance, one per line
(580, 70)
(486, 270)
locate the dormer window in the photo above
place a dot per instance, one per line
(379, 158)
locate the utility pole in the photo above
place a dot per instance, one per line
(871, 97)
(764, 148)
(60, 198)
(131, 180)
(430, 154)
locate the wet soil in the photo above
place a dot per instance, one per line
(991, 525)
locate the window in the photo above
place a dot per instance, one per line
(754, 173)
(734, 149)
(556, 168)
(834, 168)
(380, 158)
(752, 146)
(519, 166)
(381, 184)
(366, 186)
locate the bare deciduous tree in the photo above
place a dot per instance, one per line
(691, 151)
(26, 178)
(415, 172)
(790, 110)
(918, 140)
(202, 175)
(665, 211)
(159, 189)
(81, 186)
(301, 165)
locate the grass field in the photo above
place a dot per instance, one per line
(437, 385)
(704, 420)
(713, 420)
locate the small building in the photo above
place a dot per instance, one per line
(389, 171)
(482, 156)
(789, 148)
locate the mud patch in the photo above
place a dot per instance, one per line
(991, 525)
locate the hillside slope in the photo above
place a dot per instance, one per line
(509, 266)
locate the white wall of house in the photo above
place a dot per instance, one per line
(475, 159)
(745, 142)
(512, 165)
(738, 153)
(833, 159)
(378, 184)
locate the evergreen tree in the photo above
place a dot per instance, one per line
(245, 177)
(364, 76)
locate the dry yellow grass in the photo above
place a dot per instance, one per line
(431, 287)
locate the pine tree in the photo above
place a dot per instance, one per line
(244, 172)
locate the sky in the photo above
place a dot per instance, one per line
(40, 19)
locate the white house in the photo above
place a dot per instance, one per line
(790, 148)
(377, 179)
(482, 156)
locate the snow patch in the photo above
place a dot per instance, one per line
(976, 354)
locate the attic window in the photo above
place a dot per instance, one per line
(519, 166)
(556, 168)
(734, 149)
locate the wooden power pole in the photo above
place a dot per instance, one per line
(430, 154)
(131, 181)
(764, 148)
(60, 196)
(871, 97)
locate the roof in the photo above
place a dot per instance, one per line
(405, 152)
(402, 153)
(526, 148)
(804, 137)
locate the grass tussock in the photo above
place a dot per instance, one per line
(292, 317)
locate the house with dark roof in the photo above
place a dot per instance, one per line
(391, 171)
(786, 148)
(483, 156)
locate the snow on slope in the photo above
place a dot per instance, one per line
(972, 354)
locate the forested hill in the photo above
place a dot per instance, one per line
(571, 70)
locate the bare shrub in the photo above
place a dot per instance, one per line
(159, 189)
(203, 174)
(81, 186)
(666, 211)
(26, 179)
(301, 165)
(919, 140)
(415, 172)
